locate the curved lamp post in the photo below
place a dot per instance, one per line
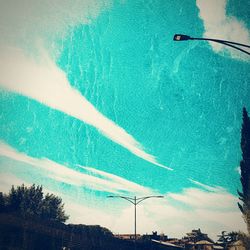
(181, 37)
(135, 201)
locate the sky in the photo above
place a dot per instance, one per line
(97, 99)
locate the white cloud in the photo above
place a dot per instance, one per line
(200, 199)
(220, 26)
(7, 180)
(64, 174)
(44, 82)
(88, 215)
(29, 20)
(238, 170)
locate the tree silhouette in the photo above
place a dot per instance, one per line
(29, 202)
(2, 202)
(244, 196)
(233, 236)
(52, 207)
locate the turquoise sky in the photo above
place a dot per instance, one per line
(97, 99)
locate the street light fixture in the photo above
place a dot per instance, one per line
(135, 201)
(181, 37)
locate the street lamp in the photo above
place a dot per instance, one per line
(135, 201)
(181, 37)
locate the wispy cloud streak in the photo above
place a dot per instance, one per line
(116, 179)
(64, 174)
(44, 82)
(207, 187)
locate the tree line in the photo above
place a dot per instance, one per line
(30, 202)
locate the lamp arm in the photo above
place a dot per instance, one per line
(228, 43)
(128, 199)
(144, 198)
(235, 47)
(219, 41)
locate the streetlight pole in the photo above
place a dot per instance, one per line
(135, 201)
(181, 37)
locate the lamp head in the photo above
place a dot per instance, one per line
(180, 37)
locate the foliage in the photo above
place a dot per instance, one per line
(245, 239)
(233, 236)
(29, 202)
(2, 202)
(226, 238)
(244, 196)
(223, 238)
